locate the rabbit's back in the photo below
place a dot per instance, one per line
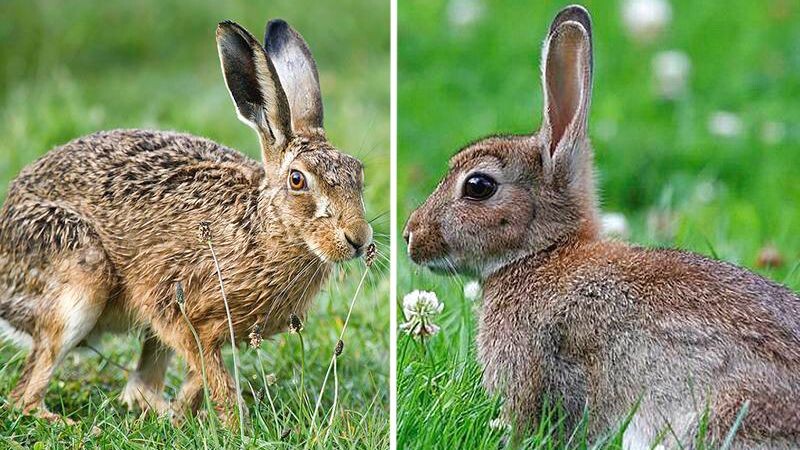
(614, 323)
(671, 292)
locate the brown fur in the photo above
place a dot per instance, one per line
(602, 324)
(94, 236)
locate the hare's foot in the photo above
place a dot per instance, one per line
(52, 417)
(228, 414)
(190, 400)
(146, 385)
(218, 382)
(144, 396)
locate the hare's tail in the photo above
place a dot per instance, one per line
(16, 308)
(13, 309)
(18, 337)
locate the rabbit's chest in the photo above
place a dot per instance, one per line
(526, 352)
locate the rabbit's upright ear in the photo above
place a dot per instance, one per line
(255, 88)
(567, 81)
(298, 74)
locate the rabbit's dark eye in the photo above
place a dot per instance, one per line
(297, 181)
(479, 187)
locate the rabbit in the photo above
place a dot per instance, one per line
(96, 234)
(600, 325)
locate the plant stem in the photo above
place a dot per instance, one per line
(233, 343)
(333, 357)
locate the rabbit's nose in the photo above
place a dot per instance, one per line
(411, 224)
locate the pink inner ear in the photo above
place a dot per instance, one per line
(563, 78)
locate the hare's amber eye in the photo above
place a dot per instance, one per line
(297, 181)
(479, 186)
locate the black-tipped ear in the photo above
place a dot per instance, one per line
(298, 74)
(567, 77)
(255, 87)
(574, 13)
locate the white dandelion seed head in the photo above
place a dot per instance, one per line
(614, 224)
(725, 124)
(420, 308)
(646, 19)
(671, 69)
(472, 291)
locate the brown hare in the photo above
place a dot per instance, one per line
(597, 324)
(96, 234)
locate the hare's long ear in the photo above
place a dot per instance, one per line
(255, 88)
(567, 83)
(298, 74)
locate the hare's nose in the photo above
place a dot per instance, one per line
(358, 235)
(354, 242)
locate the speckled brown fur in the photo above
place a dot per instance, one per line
(95, 234)
(601, 324)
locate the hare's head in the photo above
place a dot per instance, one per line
(506, 197)
(316, 190)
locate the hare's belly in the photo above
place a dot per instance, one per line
(114, 319)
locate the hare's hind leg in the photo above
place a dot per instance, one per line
(78, 284)
(145, 387)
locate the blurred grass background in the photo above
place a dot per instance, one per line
(713, 169)
(71, 68)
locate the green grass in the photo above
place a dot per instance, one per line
(656, 160)
(83, 66)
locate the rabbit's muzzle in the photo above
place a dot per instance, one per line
(424, 240)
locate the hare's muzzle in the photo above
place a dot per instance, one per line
(358, 235)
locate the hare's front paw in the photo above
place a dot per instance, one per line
(138, 394)
(228, 414)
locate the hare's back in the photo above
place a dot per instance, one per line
(112, 162)
(131, 188)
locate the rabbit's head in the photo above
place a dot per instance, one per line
(315, 189)
(509, 196)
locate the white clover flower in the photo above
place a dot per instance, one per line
(671, 69)
(462, 13)
(472, 291)
(725, 124)
(614, 224)
(773, 132)
(499, 424)
(419, 309)
(646, 19)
